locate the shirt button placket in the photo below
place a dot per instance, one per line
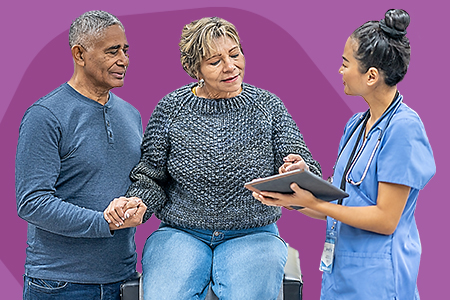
(108, 126)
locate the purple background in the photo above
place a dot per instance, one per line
(293, 48)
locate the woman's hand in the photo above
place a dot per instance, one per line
(124, 212)
(134, 213)
(293, 162)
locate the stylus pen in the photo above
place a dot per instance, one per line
(292, 161)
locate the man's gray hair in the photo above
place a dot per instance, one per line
(90, 25)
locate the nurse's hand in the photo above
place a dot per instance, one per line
(300, 197)
(276, 199)
(293, 162)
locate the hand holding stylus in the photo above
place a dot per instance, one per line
(293, 162)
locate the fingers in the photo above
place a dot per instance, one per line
(293, 162)
(299, 165)
(129, 212)
(134, 216)
(300, 197)
(132, 203)
(116, 214)
(141, 209)
(298, 190)
(266, 199)
(292, 158)
(132, 207)
(282, 169)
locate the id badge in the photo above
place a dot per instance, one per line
(326, 261)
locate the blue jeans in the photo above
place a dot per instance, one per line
(180, 263)
(43, 289)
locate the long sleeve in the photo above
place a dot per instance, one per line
(74, 156)
(287, 137)
(38, 165)
(198, 153)
(150, 173)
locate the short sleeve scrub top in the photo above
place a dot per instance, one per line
(368, 265)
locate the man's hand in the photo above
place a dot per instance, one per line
(124, 212)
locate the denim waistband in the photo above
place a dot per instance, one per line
(215, 237)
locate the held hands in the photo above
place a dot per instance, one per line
(124, 212)
(293, 162)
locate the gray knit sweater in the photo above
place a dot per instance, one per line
(197, 154)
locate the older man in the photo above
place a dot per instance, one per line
(76, 148)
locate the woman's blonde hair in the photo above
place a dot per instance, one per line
(197, 40)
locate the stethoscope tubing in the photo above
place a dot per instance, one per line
(390, 114)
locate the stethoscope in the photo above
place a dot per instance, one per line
(389, 113)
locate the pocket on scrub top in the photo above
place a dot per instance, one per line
(357, 197)
(368, 275)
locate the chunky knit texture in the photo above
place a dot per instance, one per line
(197, 154)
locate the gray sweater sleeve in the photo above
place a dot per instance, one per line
(174, 177)
(37, 170)
(287, 138)
(150, 174)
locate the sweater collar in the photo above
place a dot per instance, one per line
(214, 106)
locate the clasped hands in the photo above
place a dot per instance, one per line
(124, 212)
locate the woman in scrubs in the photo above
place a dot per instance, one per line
(372, 248)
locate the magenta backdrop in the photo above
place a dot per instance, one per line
(293, 48)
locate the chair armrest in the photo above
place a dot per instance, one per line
(292, 269)
(293, 279)
(132, 289)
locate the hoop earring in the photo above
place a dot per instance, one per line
(201, 83)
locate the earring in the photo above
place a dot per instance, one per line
(201, 83)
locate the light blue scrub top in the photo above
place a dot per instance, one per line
(368, 265)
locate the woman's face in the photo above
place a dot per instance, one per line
(222, 70)
(354, 81)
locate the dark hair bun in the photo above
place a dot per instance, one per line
(395, 23)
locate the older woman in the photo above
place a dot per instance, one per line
(202, 143)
